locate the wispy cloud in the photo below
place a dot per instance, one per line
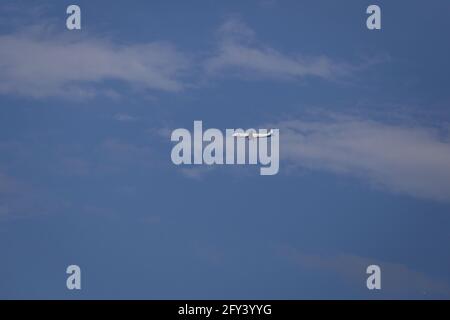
(404, 158)
(124, 117)
(239, 51)
(19, 199)
(397, 280)
(117, 152)
(196, 173)
(41, 63)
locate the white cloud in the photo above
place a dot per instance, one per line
(409, 159)
(397, 280)
(238, 50)
(41, 64)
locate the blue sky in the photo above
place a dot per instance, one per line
(86, 176)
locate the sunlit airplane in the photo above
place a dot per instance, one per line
(252, 135)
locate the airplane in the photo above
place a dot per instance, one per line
(252, 135)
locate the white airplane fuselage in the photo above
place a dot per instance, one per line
(251, 135)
